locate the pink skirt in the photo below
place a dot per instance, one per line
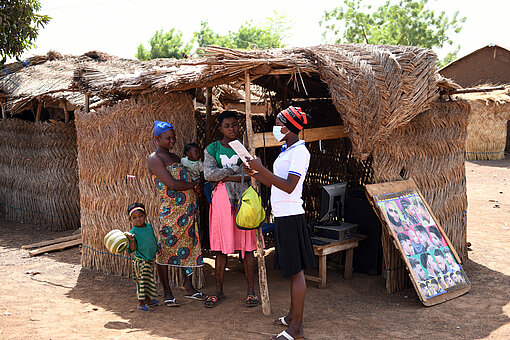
(224, 236)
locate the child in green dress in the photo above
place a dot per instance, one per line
(145, 246)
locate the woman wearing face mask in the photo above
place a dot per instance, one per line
(294, 251)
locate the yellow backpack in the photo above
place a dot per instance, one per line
(250, 212)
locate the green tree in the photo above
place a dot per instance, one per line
(206, 36)
(164, 45)
(269, 34)
(408, 22)
(20, 26)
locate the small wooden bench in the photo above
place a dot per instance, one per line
(333, 247)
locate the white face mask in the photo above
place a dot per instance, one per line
(277, 133)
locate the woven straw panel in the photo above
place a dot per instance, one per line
(112, 144)
(377, 89)
(487, 129)
(430, 150)
(38, 174)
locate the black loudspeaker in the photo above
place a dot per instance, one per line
(368, 254)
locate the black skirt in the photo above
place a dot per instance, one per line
(293, 250)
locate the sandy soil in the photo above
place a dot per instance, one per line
(53, 297)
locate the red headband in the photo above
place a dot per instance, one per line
(287, 115)
(297, 111)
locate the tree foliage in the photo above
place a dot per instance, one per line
(164, 45)
(407, 22)
(20, 26)
(269, 34)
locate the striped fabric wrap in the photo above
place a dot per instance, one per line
(143, 274)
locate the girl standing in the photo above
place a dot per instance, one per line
(145, 246)
(294, 251)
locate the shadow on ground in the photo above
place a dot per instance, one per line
(500, 163)
(356, 308)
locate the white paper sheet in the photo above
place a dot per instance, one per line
(240, 150)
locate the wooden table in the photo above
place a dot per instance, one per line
(334, 247)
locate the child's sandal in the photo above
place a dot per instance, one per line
(145, 308)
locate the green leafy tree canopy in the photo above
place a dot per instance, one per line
(20, 26)
(164, 45)
(270, 34)
(407, 22)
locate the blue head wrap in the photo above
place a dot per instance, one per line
(160, 127)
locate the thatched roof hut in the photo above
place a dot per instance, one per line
(48, 82)
(38, 153)
(387, 98)
(488, 124)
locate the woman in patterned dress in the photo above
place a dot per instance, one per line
(178, 236)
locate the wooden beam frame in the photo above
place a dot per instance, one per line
(309, 135)
(66, 114)
(4, 113)
(208, 114)
(87, 103)
(39, 109)
(255, 109)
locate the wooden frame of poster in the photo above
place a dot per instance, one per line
(432, 262)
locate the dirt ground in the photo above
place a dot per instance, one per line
(53, 297)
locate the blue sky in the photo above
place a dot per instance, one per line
(119, 26)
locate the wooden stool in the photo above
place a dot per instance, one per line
(334, 247)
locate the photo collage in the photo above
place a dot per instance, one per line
(433, 264)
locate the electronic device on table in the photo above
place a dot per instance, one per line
(330, 226)
(332, 203)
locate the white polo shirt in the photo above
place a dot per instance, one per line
(293, 160)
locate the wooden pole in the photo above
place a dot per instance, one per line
(66, 113)
(4, 114)
(476, 89)
(87, 103)
(264, 291)
(39, 109)
(208, 114)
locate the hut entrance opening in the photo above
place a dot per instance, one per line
(332, 159)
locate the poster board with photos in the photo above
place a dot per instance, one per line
(432, 262)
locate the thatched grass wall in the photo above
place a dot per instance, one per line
(487, 128)
(430, 149)
(113, 143)
(38, 174)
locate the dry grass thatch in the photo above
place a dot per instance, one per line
(18, 65)
(50, 77)
(112, 144)
(487, 129)
(376, 89)
(430, 149)
(38, 173)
